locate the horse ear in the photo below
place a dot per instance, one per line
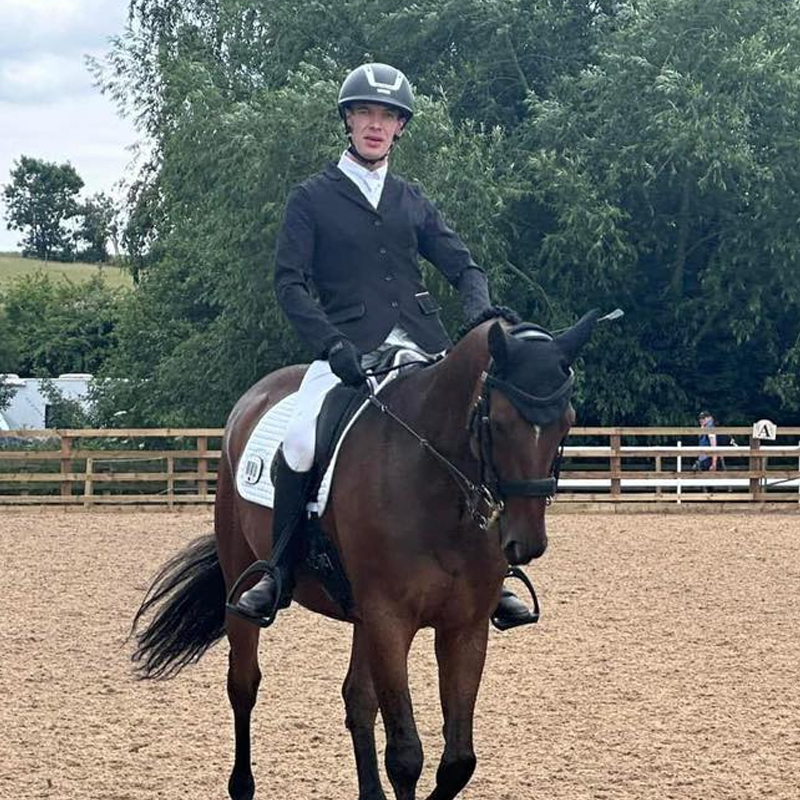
(572, 340)
(498, 347)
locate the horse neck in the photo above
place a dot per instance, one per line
(440, 401)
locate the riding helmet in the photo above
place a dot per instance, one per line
(377, 83)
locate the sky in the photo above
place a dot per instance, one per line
(49, 107)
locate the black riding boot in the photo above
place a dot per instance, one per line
(511, 612)
(290, 487)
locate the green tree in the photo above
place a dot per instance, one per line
(98, 224)
(591, 153)
(40, 199)
(7, 393)
(62, 411)
(208, 215)
(8, 358)
(61, 326)
(663, 179)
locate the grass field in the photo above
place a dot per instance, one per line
(13, 266)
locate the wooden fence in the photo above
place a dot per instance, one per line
(177, 467)
(645, 466)
(162, 467)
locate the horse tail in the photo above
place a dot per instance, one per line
(188, 597)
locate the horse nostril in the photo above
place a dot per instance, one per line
(513, 552)
(521, 553)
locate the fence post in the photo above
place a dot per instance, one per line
(88, 487)
(659, 490)
(66, 465)
(616, 465)
(202, 466)
(170, 481)
(754, 464)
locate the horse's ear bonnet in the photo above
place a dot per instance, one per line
(574, 338)
(537, 380)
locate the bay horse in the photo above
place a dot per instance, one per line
(434, 496)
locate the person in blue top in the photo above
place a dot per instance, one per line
(708, 462)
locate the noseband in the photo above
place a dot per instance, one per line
(480, 427)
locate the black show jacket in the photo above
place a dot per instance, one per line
(363, 263)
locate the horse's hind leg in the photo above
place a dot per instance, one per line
(388, 641)
(244, 677)
(361, 703)
(461, 655)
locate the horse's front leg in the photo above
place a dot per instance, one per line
(461, 654)
(361, 703)
(387, 641)
(244, 677)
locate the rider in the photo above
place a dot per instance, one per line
(354, 231)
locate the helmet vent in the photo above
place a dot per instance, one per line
(383, 88)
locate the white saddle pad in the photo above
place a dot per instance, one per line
(253, 480)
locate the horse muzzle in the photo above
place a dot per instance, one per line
(522, 552)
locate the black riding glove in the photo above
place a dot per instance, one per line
(345, 363)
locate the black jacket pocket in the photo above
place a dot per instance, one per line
(427, 305)
(347, 314)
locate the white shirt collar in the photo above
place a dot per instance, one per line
(369, 181)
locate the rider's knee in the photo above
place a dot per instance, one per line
(298, 451)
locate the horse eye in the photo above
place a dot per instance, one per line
(501, 426)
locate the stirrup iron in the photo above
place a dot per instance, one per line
(516, 572)
(256, 568)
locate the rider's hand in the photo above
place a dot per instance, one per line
(345, 363)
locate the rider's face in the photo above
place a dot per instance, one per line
(373, 127)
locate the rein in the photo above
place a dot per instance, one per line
(486, 499)
(476, 495)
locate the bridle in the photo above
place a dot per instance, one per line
(480, 428)
(486, 500)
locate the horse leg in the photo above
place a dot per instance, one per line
(388, 643)
(244, 677)
(461, 654)
(361, 703)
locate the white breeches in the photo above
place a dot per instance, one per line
(300, 438)
(299, 442)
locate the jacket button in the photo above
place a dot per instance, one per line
(395, 304)
(388, 277)
(377, 223)
(382, 251)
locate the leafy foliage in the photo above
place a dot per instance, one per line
(664, 176)
(63, 411)
(7, 393)
(98, 225)
(590, 153)
(41, 198)
(58, 326)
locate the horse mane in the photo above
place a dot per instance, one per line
(492, 312)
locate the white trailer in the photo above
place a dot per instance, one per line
(29, 408)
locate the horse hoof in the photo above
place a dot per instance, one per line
(241, 787)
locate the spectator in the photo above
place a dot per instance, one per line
(708, 462)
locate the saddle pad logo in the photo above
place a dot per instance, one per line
(253, 468)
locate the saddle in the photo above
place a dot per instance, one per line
(341, 404)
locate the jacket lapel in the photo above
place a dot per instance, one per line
(345, 187)
(391, 189)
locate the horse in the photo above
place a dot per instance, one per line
(439, 487)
